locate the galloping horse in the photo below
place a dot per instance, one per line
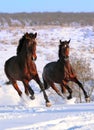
(61, 72)
(22, 66)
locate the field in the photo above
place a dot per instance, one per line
(25, 114)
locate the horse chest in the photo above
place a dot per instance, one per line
(69, 72)
(29, 71)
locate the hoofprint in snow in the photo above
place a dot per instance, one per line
(57, 117)
(25, 114)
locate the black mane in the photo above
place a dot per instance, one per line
(21, 41)
(20, 45)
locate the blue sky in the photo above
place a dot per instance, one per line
(12, 6)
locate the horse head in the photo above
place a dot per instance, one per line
(28, 43)
(31, 45)
(64, 49)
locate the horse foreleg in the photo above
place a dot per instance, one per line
(70, 91)
(31, 92)
(87, 98)
(28, 89)
(16, 88)
(64, 84)
(36, 78)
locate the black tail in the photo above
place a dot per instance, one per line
(8, 82)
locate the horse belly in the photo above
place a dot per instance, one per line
(53, 75)
(56, 78)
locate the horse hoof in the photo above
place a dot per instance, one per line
(69, 97)
(88, 99)
(32, 97)
(48, 104)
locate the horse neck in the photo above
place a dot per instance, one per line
(26, 62)
(64, 60)
(66, 64)
(23, 57)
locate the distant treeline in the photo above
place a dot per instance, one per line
(46, 18)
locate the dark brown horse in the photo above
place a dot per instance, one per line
(61, 72)
(22, 66)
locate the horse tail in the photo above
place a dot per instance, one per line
(8, 82)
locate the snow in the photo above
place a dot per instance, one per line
(26, 114)
(57, 117)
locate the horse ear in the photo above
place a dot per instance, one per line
(60, 41)
(35, 35)
(69, 41)
(27, 35)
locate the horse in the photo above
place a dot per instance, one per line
(23, 68)
(61, 72)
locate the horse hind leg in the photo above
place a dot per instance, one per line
(63, 89)
(87, 98)
(56, 90)
(17, 88)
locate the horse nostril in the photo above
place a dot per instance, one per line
(34, 58)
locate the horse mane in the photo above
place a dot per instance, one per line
(60, 49)
(21, 41)
(59, 52)
(20, 45)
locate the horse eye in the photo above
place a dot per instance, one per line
(64, 46)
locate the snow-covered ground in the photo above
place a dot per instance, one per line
(25, 114)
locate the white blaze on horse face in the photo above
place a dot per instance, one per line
(34, 50)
